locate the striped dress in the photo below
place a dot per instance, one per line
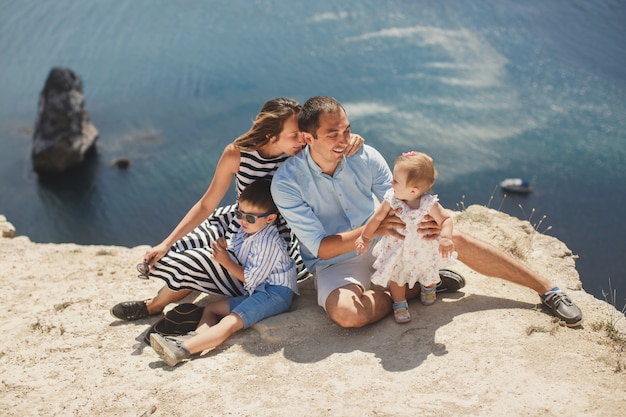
(189, 266)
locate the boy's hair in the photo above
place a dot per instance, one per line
(309, 117)
(419, 167)
(259, 195)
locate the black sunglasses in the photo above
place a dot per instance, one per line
(250, 218)
(144, 270)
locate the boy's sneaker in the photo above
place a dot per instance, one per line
(170, 351)
(181, 337)
(562, 307)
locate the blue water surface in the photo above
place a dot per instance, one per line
(491, 89)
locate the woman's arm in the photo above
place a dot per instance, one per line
(227, 166)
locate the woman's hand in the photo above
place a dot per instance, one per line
(155, 253)
(354, 144)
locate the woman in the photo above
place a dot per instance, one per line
(183, 259)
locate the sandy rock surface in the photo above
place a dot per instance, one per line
(488, 350)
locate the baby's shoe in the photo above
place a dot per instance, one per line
(428, 296)
(401, 312)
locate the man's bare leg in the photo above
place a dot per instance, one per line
(490, 261)
(351, 306)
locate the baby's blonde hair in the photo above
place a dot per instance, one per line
(420, 169)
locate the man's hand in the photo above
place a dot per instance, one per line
(391, 225)
(429, 229)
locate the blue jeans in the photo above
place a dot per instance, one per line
(265, 301)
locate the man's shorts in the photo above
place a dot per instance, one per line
(265, 301)
(357, 270)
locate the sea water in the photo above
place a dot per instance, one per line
(490, 89)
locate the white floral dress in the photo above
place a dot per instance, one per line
(413, 259)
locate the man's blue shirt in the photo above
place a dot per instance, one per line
(317, 205)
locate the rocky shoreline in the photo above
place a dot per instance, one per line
(489, 350)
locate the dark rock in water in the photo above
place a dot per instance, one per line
(121, 163)
(64, 131)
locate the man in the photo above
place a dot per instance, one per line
(327, 198)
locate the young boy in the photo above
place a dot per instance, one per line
(257, 256)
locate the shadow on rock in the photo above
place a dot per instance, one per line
(307, 335)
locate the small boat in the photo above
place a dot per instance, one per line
(516, 185)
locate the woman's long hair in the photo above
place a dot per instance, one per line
(268, 123)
